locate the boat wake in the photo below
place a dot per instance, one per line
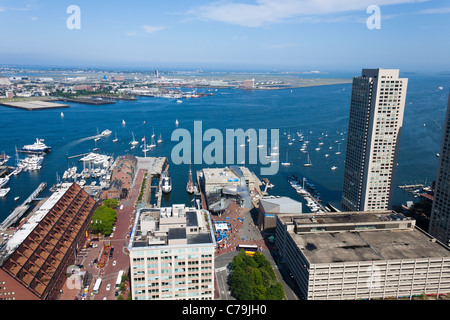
(73, 143)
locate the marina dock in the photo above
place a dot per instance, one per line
(313, 201)
(33, 105)
(22, 209)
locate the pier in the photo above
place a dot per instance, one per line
(154, 167)
(22, 209)
(411, 186)
(92, 101)
(33, 105)
(77, 156)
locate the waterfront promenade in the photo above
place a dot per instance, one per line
(119, 241)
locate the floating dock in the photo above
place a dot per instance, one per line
(33, 105)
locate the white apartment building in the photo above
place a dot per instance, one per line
(172, 254)
(375, 122)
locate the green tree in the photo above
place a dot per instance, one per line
(253, 278)
(275, 292)
(111, 203)
(241, 285)
(103, 220)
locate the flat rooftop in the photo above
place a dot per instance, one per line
(354, 237)
(176, 225)
(273, 204)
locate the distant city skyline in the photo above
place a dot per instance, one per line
(303, 35)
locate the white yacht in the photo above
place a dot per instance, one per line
(106, 132)
(4, 192)
(333, 168)
(166, 184)
(35, 162)
(160, 139)
(3, 181)
(38, 146)
(115, 140)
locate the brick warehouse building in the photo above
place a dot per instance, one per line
(34, 262)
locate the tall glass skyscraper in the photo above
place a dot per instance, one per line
(440, 212)
(376, 117)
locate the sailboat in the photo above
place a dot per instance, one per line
(275, 147)
(62, 114)
(286, 163)
(308, 163)
(268, 156)
(133, 142)
(115, 140)
(123, 122)
(176, 122)
(339, 147)
(146, 148)
(160, 138)
(98, 134)
(190, 185)
(152, 142)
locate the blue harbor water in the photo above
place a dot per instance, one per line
(317, 112)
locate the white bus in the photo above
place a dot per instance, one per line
(97, 285)
(119, 278)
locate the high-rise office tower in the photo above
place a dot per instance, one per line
(375, 121)
(440, 212)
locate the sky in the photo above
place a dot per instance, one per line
(284, 35)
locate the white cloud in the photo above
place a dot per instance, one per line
(435, 11)
(266, 12)
(152, 29)
(278, 46)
